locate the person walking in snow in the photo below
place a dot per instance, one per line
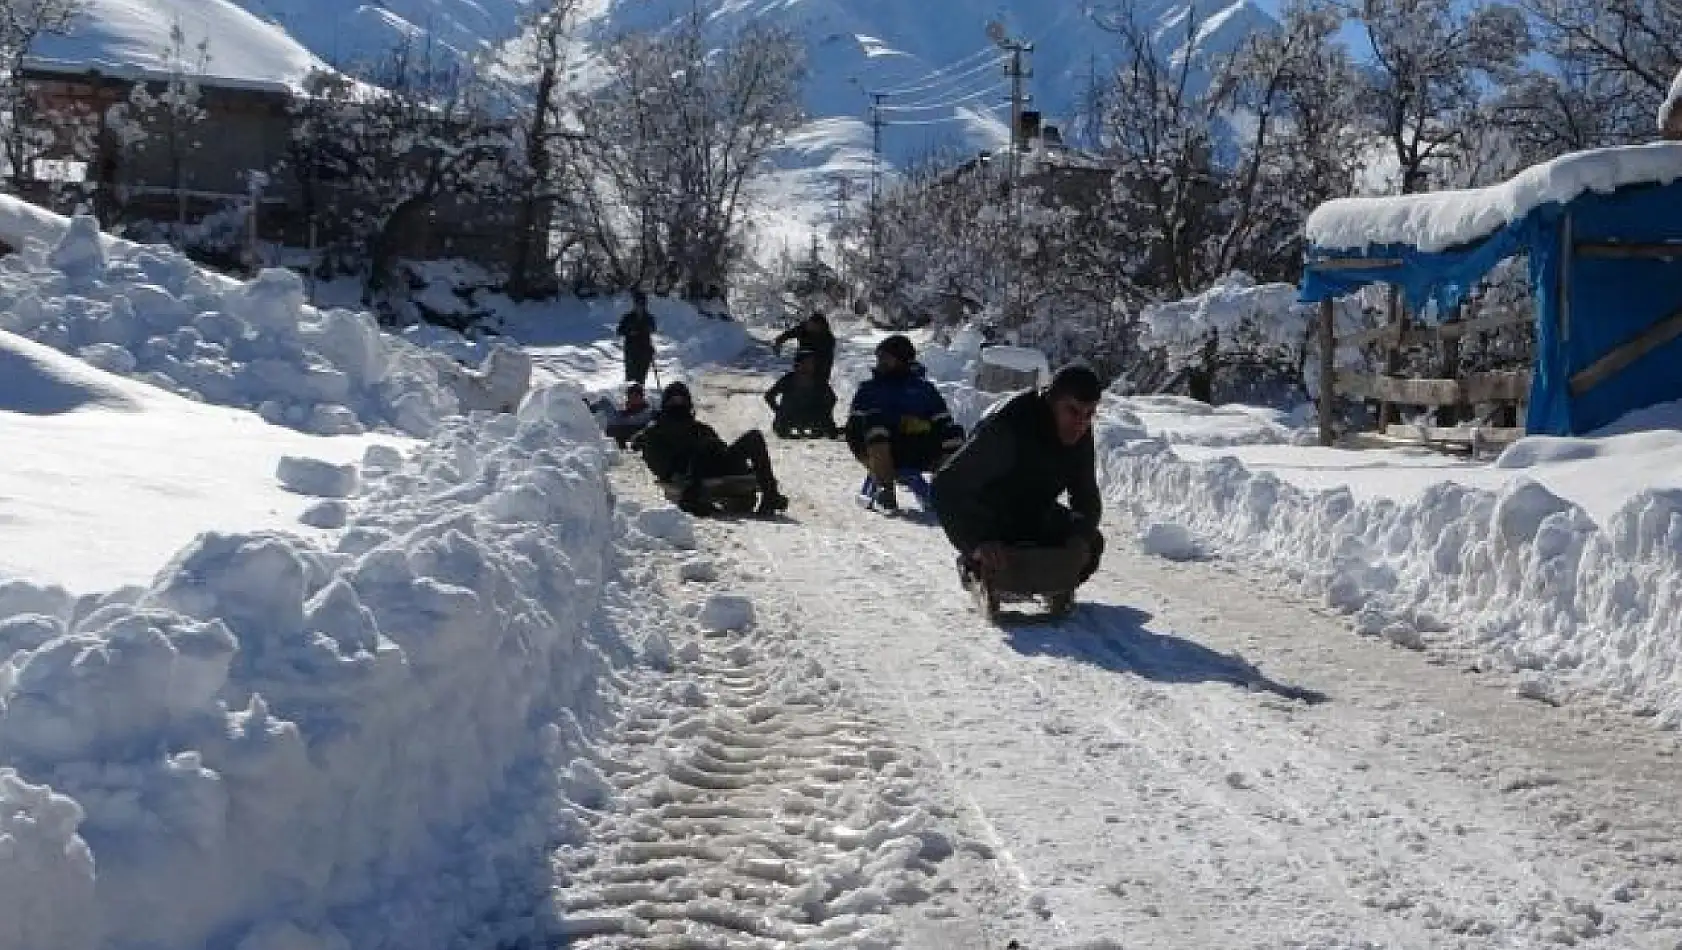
(637, 326)
(997, 498)
(813, 335)
(898, 420)
(802, 402)
(680, 449)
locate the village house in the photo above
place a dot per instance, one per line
(238, 154)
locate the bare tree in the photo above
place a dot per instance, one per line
(1611, 66)
(544, 128)
(162, 117)
(672, 141)
(22, 24)
(379, 162)
(1431, 58)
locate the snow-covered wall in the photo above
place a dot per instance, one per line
(278, 747)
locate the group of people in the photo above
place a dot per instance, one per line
(996, 491)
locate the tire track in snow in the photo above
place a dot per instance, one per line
(741, 803)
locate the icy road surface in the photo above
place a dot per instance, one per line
(1195, 760)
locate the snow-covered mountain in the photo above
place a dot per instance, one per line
(277, 40)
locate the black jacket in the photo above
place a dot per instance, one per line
(820, 342)
(1003, 482)
(800, 398)
(638, 328)
(672, 444)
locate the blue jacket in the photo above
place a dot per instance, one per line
(899, 406)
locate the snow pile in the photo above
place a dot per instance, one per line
(1185, 421)
(1438, 221)
(277, 745)
(574, 340)
(150, 313)
(109, 477)
(1515, 570)
(1234, 303)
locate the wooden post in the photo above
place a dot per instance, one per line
(1398, 322)
(1448, 367)
(1328, 368)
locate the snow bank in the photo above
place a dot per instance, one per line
(1516, 571)
(1233, 303)
(108, 477)
(278, 745)
(150, 313)
(1441, 220)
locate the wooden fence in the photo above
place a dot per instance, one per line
(1470, 389)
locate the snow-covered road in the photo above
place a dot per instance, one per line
(1131, 778)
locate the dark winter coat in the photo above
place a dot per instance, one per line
(638, 327)
(1006, 480)
(898, 405)
(821, 342)
(800, 398)
(674, 442)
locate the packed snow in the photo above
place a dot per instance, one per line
(1441, 220)
(150, 313)
(1346, 794)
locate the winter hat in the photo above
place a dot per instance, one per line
(1077, 381)
(677, 393)
(899, 347)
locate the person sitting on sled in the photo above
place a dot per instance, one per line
(623, 424)
(802, 402)
(680, 449)
(997, 498)
(898, 420)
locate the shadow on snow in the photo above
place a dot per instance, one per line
(1115, 638)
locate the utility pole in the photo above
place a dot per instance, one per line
(1014, 69)
(876, 124)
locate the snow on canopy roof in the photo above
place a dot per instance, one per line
(1441, 220)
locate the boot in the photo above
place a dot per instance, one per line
(884, 497)
(772, 502)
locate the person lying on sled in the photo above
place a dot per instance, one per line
(899, 421)
(681, 450)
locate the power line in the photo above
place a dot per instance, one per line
(934, 75)
(982, 66)
(928, 107)
(896, 123)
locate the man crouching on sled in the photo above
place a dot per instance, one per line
(898, 421)
(997, 498)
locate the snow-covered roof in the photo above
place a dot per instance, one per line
(130, 38)
(1445, 219)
